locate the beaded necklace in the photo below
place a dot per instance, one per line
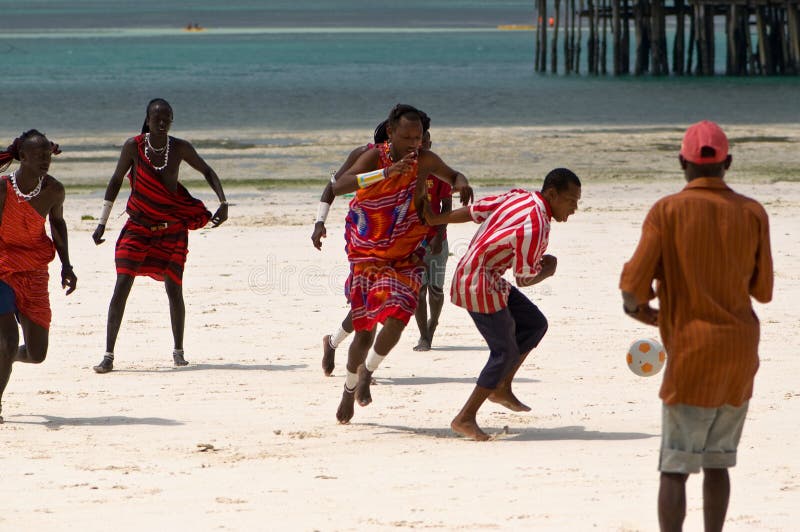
(164, 149)
(26, 196)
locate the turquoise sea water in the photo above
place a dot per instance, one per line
(91, 66)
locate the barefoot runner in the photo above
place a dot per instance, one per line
(514, 233)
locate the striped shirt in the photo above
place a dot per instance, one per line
(514, 230)
(708, 250)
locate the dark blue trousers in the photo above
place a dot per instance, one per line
(515, 330)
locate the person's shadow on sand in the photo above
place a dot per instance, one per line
(417, 381)
(208, 367)
(573, 432)
(56, 422)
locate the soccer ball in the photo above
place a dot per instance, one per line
(646, 357)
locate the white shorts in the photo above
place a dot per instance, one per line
(694, 437)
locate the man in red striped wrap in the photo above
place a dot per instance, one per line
(154, 240)
(27, 197)
(384, 236)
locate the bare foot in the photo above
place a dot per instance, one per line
(423, 345)
(468, 428)
(345, 411)
(328, 354)
(362, 394)
(508, 400)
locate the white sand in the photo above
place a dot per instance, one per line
(245, 438)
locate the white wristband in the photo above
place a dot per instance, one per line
(322, 211)
(106, 212)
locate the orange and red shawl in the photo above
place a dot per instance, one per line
(384, 237)
(25, 252)
(159, 253)
(382, 223)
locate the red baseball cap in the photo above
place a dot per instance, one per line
(701, 135)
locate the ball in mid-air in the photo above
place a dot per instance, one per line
(646, 357)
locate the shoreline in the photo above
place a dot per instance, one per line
(489, 156)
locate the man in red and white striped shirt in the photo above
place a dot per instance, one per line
(514, 232)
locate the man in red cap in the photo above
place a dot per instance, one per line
(708, 250)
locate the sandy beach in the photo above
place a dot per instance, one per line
(245, 438)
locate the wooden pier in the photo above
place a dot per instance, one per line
(762, 37)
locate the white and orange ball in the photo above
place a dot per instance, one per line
(646, 357)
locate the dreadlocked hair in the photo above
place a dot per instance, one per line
(12, 152)
(380, 135)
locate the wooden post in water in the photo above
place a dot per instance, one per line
(730, 31)
(680, 37)
(752, 57)
(604, 41)
(579, 39)
(782, 35)
(567, 58)
(590, 48)
(793, 21)
(764, 50)
(572, 37)
(711, 42)
(642, 38)
(616, 39)
(626, 38)
(541, 32)
(554, 41)
(658, 52)
(705, 39)
(596, 44)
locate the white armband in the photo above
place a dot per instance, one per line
(322, 211)
(106, 212)
(370, 178)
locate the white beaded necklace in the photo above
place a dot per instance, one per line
(150, 147)
(26, 196)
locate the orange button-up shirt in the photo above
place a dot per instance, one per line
(708, 250)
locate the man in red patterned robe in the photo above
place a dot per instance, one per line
(383, 233)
